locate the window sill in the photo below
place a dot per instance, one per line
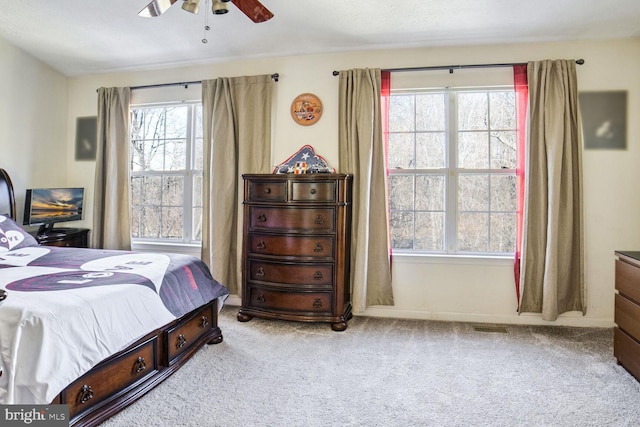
(421, 258)
(180, 248)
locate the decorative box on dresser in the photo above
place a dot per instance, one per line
(626, 335)
(296, 248)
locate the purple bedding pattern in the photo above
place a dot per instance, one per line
(66, 309)
(182, 282)
(12, 236)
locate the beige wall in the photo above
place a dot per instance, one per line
(33, 115)
(436, 288)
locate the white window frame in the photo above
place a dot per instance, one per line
(450, 174)
(187, 244)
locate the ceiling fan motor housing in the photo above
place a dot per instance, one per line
(253, 9)
(219, 7)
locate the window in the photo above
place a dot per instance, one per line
(166, 172)
(452, 160)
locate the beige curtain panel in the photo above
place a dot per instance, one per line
(236, 116)
(361, 153)
(552, 278)
(111, 200)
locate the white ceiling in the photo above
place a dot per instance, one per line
(80, 37)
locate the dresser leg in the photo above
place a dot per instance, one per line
(339, 327)
(216, 340)
(244, 317)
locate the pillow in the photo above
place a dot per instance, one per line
(12, 236)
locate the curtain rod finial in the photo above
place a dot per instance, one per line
(580, 61)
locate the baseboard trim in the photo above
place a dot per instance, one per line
(233, 300)
(568, 319)
(573, 319)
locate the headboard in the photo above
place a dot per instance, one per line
(7, 199)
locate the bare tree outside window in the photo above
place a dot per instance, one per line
(166, 172)
(452, 159)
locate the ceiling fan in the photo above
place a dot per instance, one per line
(252, 8)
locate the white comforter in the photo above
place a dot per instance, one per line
(49, 339)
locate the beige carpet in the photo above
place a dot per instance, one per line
(386, 372)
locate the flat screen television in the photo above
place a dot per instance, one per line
(48, 206)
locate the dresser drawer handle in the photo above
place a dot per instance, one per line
(318, 248)
(262, 218)
(267, 190)
(317, 303)
(261, 299)
(313, 191)
(86, 394)
(260, 272)
(181, 341)
(318, 275)
(261, 245)
(204, 322)
(319, 220)
(140, 365)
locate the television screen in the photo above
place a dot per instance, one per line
(46, 206)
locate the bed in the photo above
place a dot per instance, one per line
(95, 329)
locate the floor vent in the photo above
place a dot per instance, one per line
(490, 328)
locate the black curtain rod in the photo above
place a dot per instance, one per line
(185, 84)
(274, 76)
(457, 67)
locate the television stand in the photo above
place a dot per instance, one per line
(62, 236)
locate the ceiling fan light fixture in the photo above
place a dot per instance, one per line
(191, 5)
(219, 7)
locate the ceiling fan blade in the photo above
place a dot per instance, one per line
(254, 10)
(156, 8)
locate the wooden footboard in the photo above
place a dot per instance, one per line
(120, 380)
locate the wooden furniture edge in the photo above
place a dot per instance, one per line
(121, 399)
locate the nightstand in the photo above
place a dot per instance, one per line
(69, 237)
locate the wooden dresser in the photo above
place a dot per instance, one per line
(626, 335)
(296, 247)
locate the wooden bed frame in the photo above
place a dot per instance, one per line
(121, 379)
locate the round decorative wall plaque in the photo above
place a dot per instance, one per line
(306, 109)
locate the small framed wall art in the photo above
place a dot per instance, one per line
(86, 137)
(604, 119)
(306, 109)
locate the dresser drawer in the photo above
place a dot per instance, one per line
(183, 335)
(290, 302)
(627, 351)
(299, 246)
(627, 316)
(628, 280)
(270, 191)
(297, 219)
(125, 370)
(311, 191)
(315, 275)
